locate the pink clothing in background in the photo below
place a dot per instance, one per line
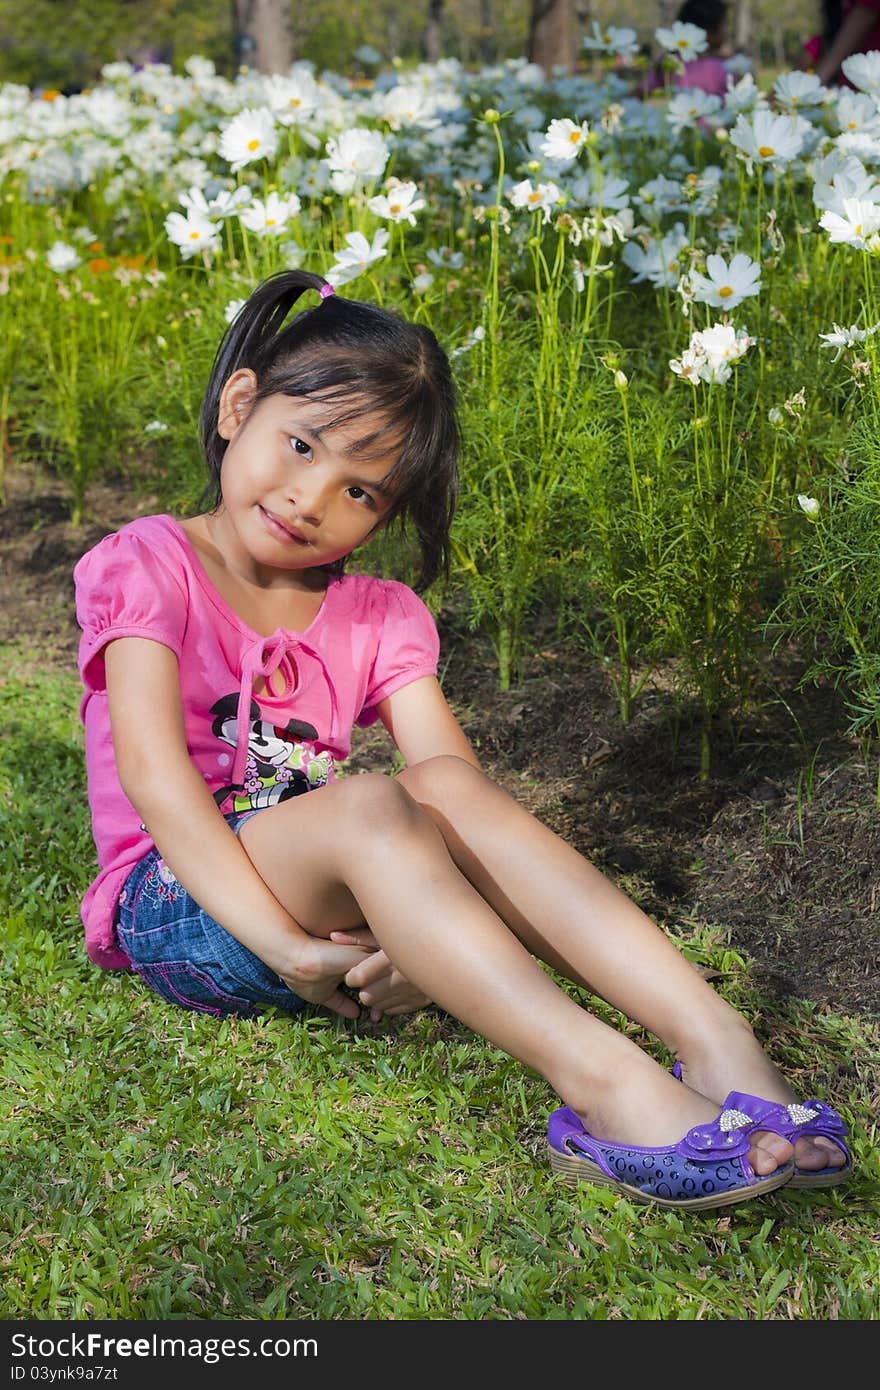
(708, 74)
(370, 638)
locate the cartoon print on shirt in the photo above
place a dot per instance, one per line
(281, 762)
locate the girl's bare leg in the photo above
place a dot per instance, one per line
(362, 849)
(568, 914)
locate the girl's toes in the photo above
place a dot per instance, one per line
(814, 1152)
(769, 1152)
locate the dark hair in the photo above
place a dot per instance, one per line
(359, 360)
(706, 14)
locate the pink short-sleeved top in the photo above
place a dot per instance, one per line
(370, 638)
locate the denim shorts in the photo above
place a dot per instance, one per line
(187, 957)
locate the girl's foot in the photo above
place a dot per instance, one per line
(737, 1062)
(647, 1106)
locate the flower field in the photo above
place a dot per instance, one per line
(661, 314)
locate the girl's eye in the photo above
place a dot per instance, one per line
(360, 496)
(300, 446)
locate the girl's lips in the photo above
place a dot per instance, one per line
(281, 530)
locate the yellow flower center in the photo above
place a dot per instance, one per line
(725, 291)
(295, 101)
(534, 196)
(270, 221)
(575, 137)
(253, 145)
(394, 208)
(859, 229)
(851, 125)
(765, 151)
(193, 236)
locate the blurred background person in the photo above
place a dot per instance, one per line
(848, 26)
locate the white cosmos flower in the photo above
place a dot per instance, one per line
(356, 157)
(594, 190)
(408, 105)
(725, 285)
(794, 90)
(710, 354)
(765, 138)
(540, 198)
(156, 427)
(660, 262)
(659, 196)
(863, 71)
(810, 506)
(842, 338)
(607, 38)
(475, 336)
(400, 203)
(249, 136)
(199, 68)
(743, 95)
(837, 177)
(192, 233)
(233, 309)
(271, 217)
(863, 144)
(62, 257)
(857, 225)
(689, 106)
(222, 204)
(563, 140)
(686, 40)
(357, 255)
(293, 99)
(445, 258)
(856, 112)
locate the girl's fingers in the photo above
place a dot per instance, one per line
(340, 1003)
(355, 936)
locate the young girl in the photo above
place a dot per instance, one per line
(225, 660)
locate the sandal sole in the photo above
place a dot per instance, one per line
(576, 1170)
(803, 1180)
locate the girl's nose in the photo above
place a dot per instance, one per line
(307, 498)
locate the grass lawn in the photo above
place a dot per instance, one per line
(161, 1165)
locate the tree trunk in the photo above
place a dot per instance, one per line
(488, 47)
(744, 27)
(433, 39)
(550, 34)
(261, 34)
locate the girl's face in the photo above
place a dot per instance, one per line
(295, 494)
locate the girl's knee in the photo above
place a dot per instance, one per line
(372, 803)
(444, 779)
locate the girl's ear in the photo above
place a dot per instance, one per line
(236, 400)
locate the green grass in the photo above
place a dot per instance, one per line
(158, 1164)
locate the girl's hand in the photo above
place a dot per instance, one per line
(382, 988)
(317, 970)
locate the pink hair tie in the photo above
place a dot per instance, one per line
(325, 291)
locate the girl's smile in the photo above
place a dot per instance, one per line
(284, 532)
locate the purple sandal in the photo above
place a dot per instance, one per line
(709, 1167)
(798, 1120)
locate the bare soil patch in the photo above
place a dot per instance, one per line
(780, 849)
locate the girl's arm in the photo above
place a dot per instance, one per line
(168, 792)
(422, 725)
(848, 40)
